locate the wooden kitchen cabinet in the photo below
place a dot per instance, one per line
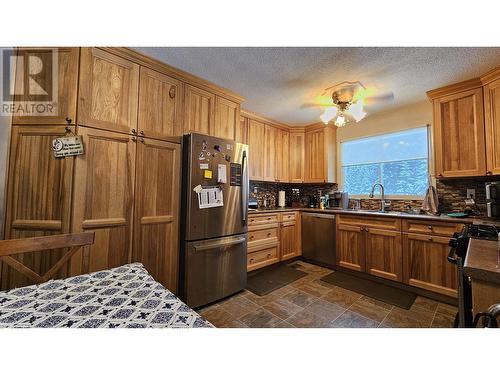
(241, 132)
(67, 82)
(38, 197)
(271, 153)
(384, 254)
(492, 124)
(199, 114)
(160, 105)
(319, 147)
(156, 217)
(256, 150)
(290, 236)
(426, 265)
(227, 117)
(297, 156)
(108, 91)
(104, 193)
(283, 155)
(351, 247)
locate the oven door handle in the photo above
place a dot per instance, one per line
(452, 255)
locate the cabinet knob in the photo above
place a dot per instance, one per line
(134, 131)
(68, 120)
(440, 175)
(141, 132)
(134, 139)
(251, 260)
(268, 256)
(142, 140)
(489, 173)
(430, 227)
(431, 239)
(171, 92)
(268, 234)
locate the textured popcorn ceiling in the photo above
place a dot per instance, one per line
(277, 81)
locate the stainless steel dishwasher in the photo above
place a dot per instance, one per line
(318, 238)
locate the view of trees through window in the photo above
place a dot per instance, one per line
(397, 160)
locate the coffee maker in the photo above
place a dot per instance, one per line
(338, 199)
(493, 199)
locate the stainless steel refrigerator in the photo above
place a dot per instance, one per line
(214, 212)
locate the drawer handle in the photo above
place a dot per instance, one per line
(268, 255)
(268, 234)
(251, 260)
(430, 227)
(431, 239)
(268, 218)
(251, 237)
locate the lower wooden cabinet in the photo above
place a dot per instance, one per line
(384, 254)
(426, 265)
(156, 212)
(272, 238)
(351, 247)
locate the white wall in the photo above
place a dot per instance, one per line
(402, 118)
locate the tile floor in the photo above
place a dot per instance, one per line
(312, 303)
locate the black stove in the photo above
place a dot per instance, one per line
(483, 232)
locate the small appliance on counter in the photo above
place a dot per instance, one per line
(313, 201)
(493, 199)
(338, 199)
(281, 198)
(296, 201)
(253, 204)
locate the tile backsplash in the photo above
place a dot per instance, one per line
(452, 194)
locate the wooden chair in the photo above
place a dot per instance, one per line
(73, 241)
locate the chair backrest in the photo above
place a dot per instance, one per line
(72, 241)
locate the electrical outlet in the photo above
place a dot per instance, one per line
(471, 193)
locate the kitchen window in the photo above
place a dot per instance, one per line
(399, 161)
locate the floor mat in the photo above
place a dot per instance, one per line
(264, 282)
(381, 292)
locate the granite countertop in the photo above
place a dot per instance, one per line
(482, 260)
(402, 215)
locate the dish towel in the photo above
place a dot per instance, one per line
(431, 201)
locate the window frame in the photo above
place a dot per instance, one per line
(377, 190)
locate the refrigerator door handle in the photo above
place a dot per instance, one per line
(219, 244)
(244, 187)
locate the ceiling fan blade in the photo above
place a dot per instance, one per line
(316, 105)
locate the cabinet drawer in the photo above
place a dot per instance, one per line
(437, 228)
(290, 216)
(269, 235)
(262, 258)
(266, 219)
(379, 222)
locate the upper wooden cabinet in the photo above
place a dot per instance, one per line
(67, 83)
(104, 193)
(459, 141)
(160, 105)
(227, 118)
(156, 217)
(199, 111)
(271, 150)
(319, 154)
(241, 132)
(284, 156)
(296, 156)
(492, 125)
(109, 89)
(256, 147)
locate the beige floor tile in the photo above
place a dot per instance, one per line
(299, 298)
(442, 321)
(218, 317)
(306, 319)
(340, 297)
(328, 310)
(239, 307)
(260, 318)
(350, 319)
(233, 324)
(282, 308)
(444, 308)
(400, 318)
(313, 289)
(284, 324)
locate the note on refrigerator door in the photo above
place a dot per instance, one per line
(210, 197)
(222, 174)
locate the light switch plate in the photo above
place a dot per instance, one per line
(471, 193)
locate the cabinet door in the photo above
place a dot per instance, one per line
(227, 117)
(156, 218)
(38, 197)
(297, 157)
(160, 105)
(241, 135)
(289, 240)
(284, 157)
(103, 194)
(351, 247)
(315, 156)
(109, 91)
(199, 111)
(384, 254)
(256, 137)
(459, 142)
(271, 139)
(492, 119)
(426, 266)
(67, 80)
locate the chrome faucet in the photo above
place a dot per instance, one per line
(383, 203)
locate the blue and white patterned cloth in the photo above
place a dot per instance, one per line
(125, 296)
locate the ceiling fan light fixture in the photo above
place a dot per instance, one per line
(356, 111)
(340, 121)
(328, 115)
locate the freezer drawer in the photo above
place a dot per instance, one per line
(215, 269)
(318, 238)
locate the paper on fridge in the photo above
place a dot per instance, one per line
(222, 174)
(210, 197)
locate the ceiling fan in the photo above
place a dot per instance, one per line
(345, 101)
